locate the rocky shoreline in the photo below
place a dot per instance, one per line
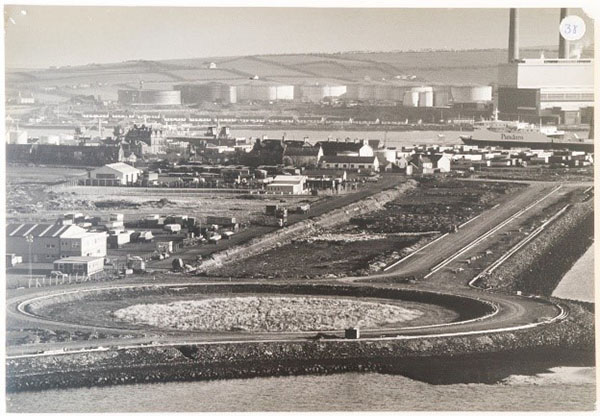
(320, 356)
(541, 264)
(573, 338)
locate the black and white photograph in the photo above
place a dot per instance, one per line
(303, 207)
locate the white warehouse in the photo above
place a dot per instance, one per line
(113, 174)
(288, 184)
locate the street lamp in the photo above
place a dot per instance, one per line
(29, 239)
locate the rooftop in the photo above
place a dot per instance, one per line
(43, 230)
(349, 159)
(288, 179)
(301, 151)
(123, 167)
(77, 259)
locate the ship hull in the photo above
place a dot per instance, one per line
(550, 145)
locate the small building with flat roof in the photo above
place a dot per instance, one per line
(288, 184)
(81, 265)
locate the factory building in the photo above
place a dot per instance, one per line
(545, 88)
(210, 92)
(557, 90)
(50, 242)
(149, 97)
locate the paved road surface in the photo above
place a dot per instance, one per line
(512, 311)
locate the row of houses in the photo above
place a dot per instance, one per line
(197, 119)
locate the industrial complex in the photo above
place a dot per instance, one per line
(234, 224)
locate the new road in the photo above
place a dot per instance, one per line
(507, 312)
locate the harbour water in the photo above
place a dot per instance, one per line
(578, 283)
(564, 388)
(390, 138)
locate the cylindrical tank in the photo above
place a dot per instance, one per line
(396, 93)
(243, 92)
(381, 92)
(426, 99)
(471, 94)
(366, 92)
(150, 97)
(284, 92)
(334, 90)
(352, 92)
(441, 98)
(411, 99)
(425, 96)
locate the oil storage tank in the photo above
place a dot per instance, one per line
(149, 97)
(441, 98)
(425, 96)
(410, 99)
(265, 92)
(207, 92)
(471, 94)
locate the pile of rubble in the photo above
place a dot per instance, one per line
(340, 237)
(271, 314)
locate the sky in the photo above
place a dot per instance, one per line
(41, 36)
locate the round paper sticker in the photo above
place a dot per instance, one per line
(572, 28)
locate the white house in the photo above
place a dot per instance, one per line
(113, 174)
(346, 148)
(430, 163)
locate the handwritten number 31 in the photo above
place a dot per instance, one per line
(570, 29)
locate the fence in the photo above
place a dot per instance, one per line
(71, 279)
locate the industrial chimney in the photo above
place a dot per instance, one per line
(513, 36)
(563, 44)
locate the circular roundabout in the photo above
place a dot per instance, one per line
(244, 310)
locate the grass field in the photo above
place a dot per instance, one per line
(41, 174)
(435, 67)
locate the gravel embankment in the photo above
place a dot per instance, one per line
(217, 361)
(539, 266)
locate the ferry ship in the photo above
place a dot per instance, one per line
(514, 134)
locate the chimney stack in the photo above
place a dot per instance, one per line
(563, 44)
(513, 36)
